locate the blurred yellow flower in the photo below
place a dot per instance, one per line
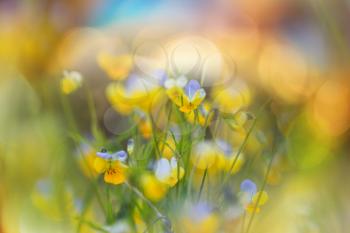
(117, 67)
(135, 93)
(152, 188)
(186, 95)
(252, 200)
(259, 199)
(86, 161)
(71, 81)
(232, 98)
(200, 218)
(204, 155)
(226, 157)
(168, 171)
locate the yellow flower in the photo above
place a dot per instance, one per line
(117, 67)
(71, 81)
(112, 165)
(135, 93)
(186, 95)
(204, 114)
(226, 157)
(152, 188)
(200, 218)
(254, 205)
(86, 161)
(168, 172)
(204, 155)
(251, 199)
(232, 98)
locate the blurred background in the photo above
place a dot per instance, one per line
(294, 52)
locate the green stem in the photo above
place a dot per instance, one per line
(202, 184)
(165, 220)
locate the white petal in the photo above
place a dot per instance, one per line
(181, 81)
(173, 163)
(169, 83)
(163, 169)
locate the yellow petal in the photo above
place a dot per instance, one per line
(204, 155)
(175, 176)
(251, 207)
(100, 165)
(198, 97)
(116, 173)
(153, 188)
(117, 67)
(263, 198)
(176, 95)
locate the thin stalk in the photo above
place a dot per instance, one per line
(165, 220)
(242, 146)
(72, 125)
(202, 184)
(109, 205)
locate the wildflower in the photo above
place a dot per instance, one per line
(152, 188)
(232, 98)
(112, 165)
(134, 93)
(117, 67)
(204, 155)
(200, 218)
(71, 81)
(168, 172)
(86, 156)
(227, 157)
(252, 199)
(204, 116)
(186, 95)
(248, 187)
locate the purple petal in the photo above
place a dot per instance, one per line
(104, 155)
(248, 186)
(225, 147)
(120, 155)
(191, 87)
(161, 76)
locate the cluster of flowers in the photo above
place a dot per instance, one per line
(186, 149)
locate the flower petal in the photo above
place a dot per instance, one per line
(163, 169)
(249, 187)
(181, 81)
(100, 165)
(116, 174)
(263, 198)
(191, 88)
(120, 155)
(104, 155)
